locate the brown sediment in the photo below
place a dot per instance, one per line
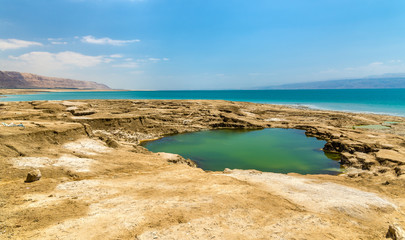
(123, 191)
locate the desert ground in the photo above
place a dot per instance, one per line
(98, 182)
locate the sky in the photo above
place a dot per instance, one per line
(195, 44)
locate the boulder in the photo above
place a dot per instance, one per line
(33, 176)
(395, 232)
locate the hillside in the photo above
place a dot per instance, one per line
(374, 83)
(28, 80)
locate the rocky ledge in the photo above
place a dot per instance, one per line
(95, 173)
(371, 151)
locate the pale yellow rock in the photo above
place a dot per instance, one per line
(390, 155)
(33, 176)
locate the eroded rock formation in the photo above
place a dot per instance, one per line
(99, 182)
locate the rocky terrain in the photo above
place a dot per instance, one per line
(28, 80)
(98, 182)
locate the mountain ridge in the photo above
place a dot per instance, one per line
(18, 80)
(356, 83)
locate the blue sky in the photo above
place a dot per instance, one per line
(194, 44)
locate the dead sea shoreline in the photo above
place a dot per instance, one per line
(299, 103)
(91, 163)
(44, 90)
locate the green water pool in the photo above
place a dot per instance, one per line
(270, 150)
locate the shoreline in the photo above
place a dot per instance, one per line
(312, 106)
(25, 91)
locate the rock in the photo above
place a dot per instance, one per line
(352, 172)
(391, 156)
(395, 232)
(111, 143)
(352, 175)
(33, 176)
(366, 160)
(387, 146)
(400, 170)
(363, 156)
(347, 159)
(83, 113)
(254, 172)
(176, 159)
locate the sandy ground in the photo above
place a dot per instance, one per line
(99, 183)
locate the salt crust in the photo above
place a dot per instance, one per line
(70, 162)
(87, 147)
(313, 195)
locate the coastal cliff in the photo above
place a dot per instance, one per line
(17, 80)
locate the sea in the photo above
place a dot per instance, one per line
(379, 101)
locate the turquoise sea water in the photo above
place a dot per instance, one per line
(270, 150)
(382, 101)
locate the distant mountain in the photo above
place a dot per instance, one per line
(370, 82)
(28, 80)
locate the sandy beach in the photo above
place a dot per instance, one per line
(99, 183)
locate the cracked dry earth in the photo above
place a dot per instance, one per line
(99, 183)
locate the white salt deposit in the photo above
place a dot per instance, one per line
(313, 195)
(70, 162)
(87, 147)
(74, 163)
(31, 162)
(274, 120)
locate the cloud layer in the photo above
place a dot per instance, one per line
(6, 44)
(61, 59)
(107, 41)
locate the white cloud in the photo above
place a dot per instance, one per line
(59, 43)
(106, 41)
(136, 72)
(116, 56)
(131, 63)
(60, 60)
(55, 39)
(127, 65)
(376, 63)
(151, 59)
(6, 44)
